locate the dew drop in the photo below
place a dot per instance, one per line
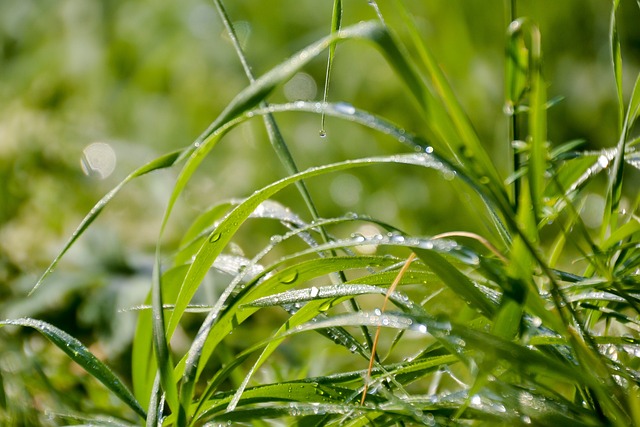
(325, 306)
(290, 278)
(448, 175)
(215, 237)
(358, 238)
(276, 239)
(314, 292)
(345, 107)
(603, 161)
(322, 133)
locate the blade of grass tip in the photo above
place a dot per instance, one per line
(376, 8)
(392, 288)
(616, 59)
(524, 73)
(83, 357)
(614, 193)
(336, 22)
(162, 162)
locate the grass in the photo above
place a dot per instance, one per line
(532, 322)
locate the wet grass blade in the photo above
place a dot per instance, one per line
(83, 357)
(219, 238)
(162, 162)
(336, 23)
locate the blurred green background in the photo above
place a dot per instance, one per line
(90, 89)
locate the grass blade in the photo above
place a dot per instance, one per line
(336, 23)
(83, 357)
(162, 162)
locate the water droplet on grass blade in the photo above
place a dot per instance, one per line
(215, 237)
(603, 161)
(322, 133)
(276, 239)
(345, 107)
(290, 278)
(314, 292)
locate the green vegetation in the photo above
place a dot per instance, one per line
(384, 226)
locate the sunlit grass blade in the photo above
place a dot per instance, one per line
(162, 162)
(232, 222)
(142, 352)
(466, 145)
(527, 361)
(160, 341)
(211, 333)
(310, 311)
(457, 281)
(273, 131)
(336, 23)
(616, 60)
(614, 193)
(83, 357)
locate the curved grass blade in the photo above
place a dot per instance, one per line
(527, 361)
(273, 131)
(162, 162)
(232, 222)
(83, 357)
(217, 327)
(457, 281)
(310, 311)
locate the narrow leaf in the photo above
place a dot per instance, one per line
(83, 357)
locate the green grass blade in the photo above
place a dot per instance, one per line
(275, 136)
(614, 194)
(467, 146)
(156, 404)
(336, 23)
(457, 281)
(219, 238)
(616, 60)
(160, 341)
(162, 162)
(83, 357)
(299, 273)
(538, 126)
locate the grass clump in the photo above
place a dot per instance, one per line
(533, 320)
